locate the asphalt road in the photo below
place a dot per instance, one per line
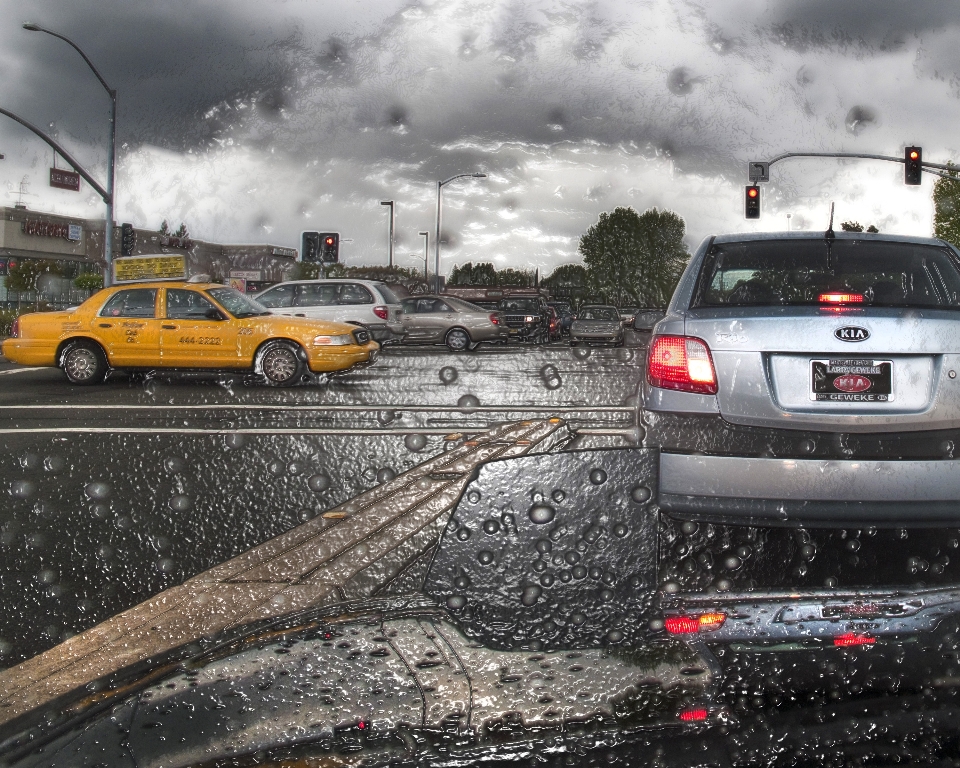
(119, 491)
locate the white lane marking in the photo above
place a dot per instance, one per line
(19, 370)
(346, 408)
(251, 431)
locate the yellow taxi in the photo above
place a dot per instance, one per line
(185, 325)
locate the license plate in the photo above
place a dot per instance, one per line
(851, 380)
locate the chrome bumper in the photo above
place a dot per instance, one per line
(806, 491)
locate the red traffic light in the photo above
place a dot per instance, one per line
(329, 241)
(914, 155)
(753, 191)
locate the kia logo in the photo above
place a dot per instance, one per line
(852, 383)
(852, 333)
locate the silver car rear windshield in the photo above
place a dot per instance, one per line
(816, 272)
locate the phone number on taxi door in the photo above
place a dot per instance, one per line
(210, 340)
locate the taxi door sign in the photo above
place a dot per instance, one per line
(138, 268)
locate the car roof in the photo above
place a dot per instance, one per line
(166, 284)
(819, 235)
(337, 280)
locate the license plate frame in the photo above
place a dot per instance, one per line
(851, 373)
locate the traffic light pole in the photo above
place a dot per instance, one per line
(759, 171)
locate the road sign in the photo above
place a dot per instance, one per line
(65, 179)
(758, 171)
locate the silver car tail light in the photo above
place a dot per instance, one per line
(682, 363)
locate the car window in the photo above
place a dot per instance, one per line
(183, 304)
(278, 297)
(462, 305)
(136, 302)
(599, 313)
(802, 272)
(388, 295)
(519, 305)
(352, 293)
(236, 303)
(317, 295)
(409, 306)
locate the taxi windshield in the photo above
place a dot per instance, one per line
(237, 304)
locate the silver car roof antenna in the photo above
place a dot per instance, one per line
(829, 235)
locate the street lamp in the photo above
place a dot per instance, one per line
(392, 222)
(111, 160)
(440, 185)
(426, 242)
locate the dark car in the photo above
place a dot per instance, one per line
(527, 317)
(565, 310)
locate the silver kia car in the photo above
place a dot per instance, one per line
(810, 378)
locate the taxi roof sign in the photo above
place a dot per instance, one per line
(135, 269)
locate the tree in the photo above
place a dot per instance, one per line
(24, 276)
(856, 226)
(88, 281)
(946, 207)
(474, 274)
(635, 258)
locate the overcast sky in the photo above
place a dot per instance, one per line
(253, 120)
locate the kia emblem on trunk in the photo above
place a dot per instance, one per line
(852, 333)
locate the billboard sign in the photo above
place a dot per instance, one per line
(134, 269)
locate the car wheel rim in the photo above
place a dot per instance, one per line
(81, 364)
(457, 340)
(279, 365)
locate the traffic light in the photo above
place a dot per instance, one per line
(912, 162)
(310, 247)
(128, 240)
(329, 247)
(751, 203)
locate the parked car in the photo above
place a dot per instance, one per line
(554, 324)
(597, 323)
(646, 317)
(527, 318)
(451, 321)
(810, 379)
(357, 302)
(565, 310)
(197, 326)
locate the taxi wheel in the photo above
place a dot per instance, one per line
(457, 340)
(84, 363)
(281, 363)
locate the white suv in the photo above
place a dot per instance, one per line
(360, 302)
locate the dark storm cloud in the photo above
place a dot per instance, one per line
(170, 62)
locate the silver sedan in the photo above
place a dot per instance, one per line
(451, 321)
(810, 379)
(596, 324)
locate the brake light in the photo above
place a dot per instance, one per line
(15, 330)
(694, 715)
(851, 639)
(841, 298)
(381, 312)
(689, 625)
(683, 363)
(495, 319)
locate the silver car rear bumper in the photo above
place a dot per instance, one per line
(771, 491)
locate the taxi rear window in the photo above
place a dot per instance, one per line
(801, 272)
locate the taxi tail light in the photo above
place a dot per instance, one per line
(495, 319)
(841, 298)
(683, 363)
(851, 639)
(381, 312)
(689, 625)
(694, 715)
(15, 330)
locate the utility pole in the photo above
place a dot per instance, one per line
(392, 223)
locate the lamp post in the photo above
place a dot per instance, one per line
(111, 159)
(426, 244)
(392, 222)
(440, 185)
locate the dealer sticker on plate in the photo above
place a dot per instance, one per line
(854, 380)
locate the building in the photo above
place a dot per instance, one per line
(69, 246)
